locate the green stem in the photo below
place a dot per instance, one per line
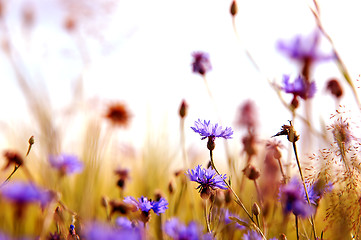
(304, 186)
(238, 200)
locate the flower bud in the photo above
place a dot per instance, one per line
(211, 144)
(234, 8)
(335, 88)
(251, 172)
(255, 209)
(183, 109)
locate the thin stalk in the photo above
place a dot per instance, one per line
(238, 200)
(304, 186)
(206, 217)
(182, 139)
(296, 221)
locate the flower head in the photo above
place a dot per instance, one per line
(99, 230)
(12, 157)
(208, 180)
(24, 193)
(146, 205)
(300, 87)
(293, 199)
(206, 129)
(179, 231)
(303, 48)
(118, 114)
(201, 63)
(66, 164)
(317, 190)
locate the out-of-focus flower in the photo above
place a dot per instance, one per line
(293, 199)
(208, 180)
(179, 231)
(247, 115)
(66, 164)
(334, 87)
(12, 158)
(124, 222)
(228, 221)
(317, 190)
(341, 131)
(123, 175)
(146, 205)
(300, 87)
(118, 114)
(201, 63)
(208, 130)
(24, 192)
(304, 48)
(99, 230)
(252, 235)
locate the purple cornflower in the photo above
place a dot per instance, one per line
(146, 205)
(293, 199)
(24, 193)
(317, 190)
(201, 63)
(228, 221)
(179, 231)
(66, 164)
(300, 87)
(304, 48)
(208, 180)
(99, 230)
(208, 130)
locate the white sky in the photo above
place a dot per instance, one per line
(141, 54)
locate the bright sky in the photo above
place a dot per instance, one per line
(140, 53)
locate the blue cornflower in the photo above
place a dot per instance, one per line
(293, 199)
(146, 205)
(300, 87)
(252, 235)
(208, 180)
(201, 63)
(179, 231)
(24, 193)
(228, 221)
(317, 190)
(208, 130)
(304, 49)
(99, 230)
(66, 164)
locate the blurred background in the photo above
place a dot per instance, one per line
(79, 56)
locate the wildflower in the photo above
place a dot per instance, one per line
(300, 87)
(208, 180)
(247, 116)
(228, 220)
(123, 175)
(145, 205)
(205, 129)
(124, 222)
(12, 157)
(23, 193)
(179, 231)
(304, 50)
(201, 63)
(317, 190)
(66, 164)
(118, 114)
(99, 230)
(252, 235)
(293, 199)
(334, 87)
(289, 131)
